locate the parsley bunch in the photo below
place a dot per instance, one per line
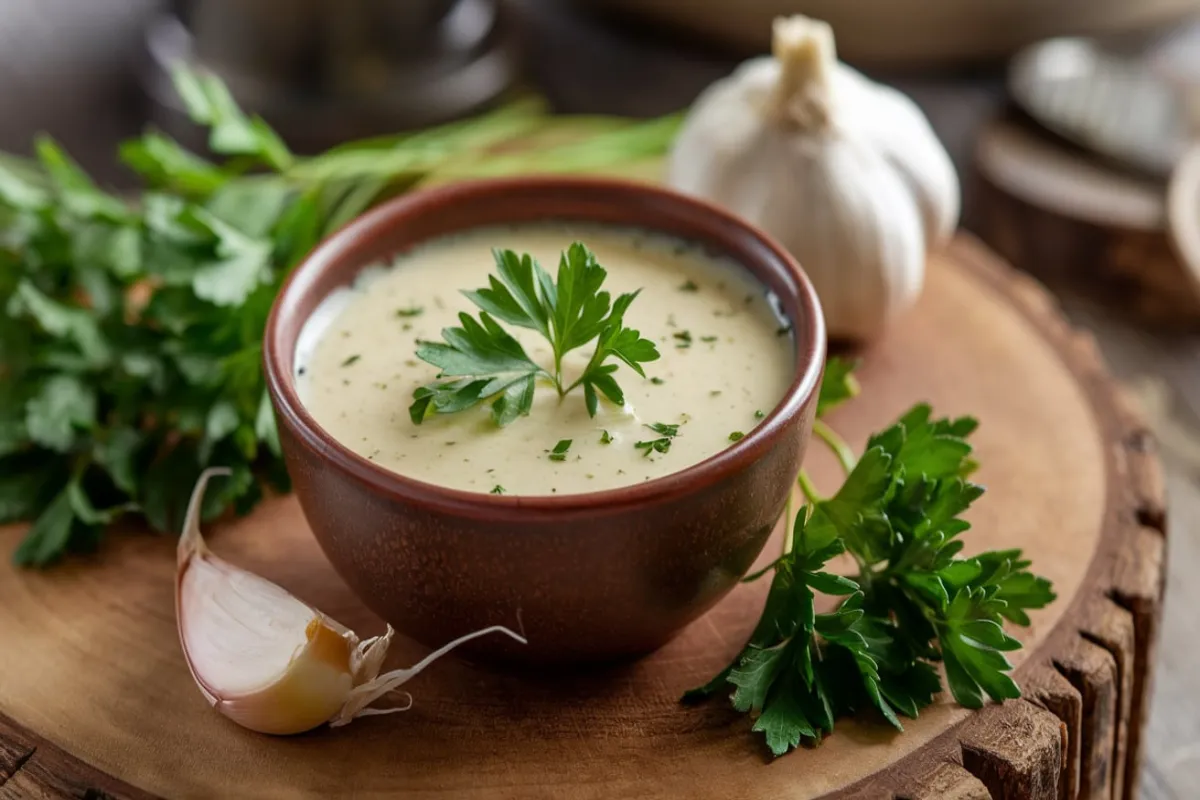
(480, 361)
(131, 326)
(913, 603)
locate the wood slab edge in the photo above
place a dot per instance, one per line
(1086, 687)
(1077, 732)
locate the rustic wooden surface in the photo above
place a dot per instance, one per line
(68, 68)
(98, 679)
(1123, 253)
(1079, 224)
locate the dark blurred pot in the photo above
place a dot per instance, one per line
(323, 71)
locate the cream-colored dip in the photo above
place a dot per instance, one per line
(725, 361)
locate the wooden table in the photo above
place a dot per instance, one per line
(93, 104)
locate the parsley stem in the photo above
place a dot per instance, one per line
(789, 525)
(839, 446)
(810, 490)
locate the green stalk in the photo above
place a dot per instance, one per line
(810, 490)
(839, 446)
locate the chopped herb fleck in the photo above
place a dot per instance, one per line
(708, 338)
(497, 489)
(559, 453)
(683, 339)
(759, 414)
(671, 321)
(351, 360)
(415, 311)
(748, 299)
(689, 286)
(736, 436)
(714, 393)
(661, 445)
(406, 326)
(451, 444)
(605, 437)
(783, 330)
(657, 381)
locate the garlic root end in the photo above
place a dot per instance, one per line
(807, 57)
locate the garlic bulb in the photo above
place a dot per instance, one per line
(845, 173)
(265, 659)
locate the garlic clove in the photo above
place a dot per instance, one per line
(268, 661)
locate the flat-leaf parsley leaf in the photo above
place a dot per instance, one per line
(481, 362)
(913, 603)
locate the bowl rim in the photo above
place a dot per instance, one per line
(809, 338)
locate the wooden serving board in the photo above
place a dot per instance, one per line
(95, 699)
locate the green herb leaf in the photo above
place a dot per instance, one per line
(914, 602)
(838, 385)
(569, 313)
(559, 453)
(209, 103)
(483, 362)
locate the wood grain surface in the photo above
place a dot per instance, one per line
(96, 697)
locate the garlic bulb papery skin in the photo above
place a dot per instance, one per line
(265, 659)
(847, 174)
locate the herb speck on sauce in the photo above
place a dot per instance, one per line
(748, 299)
(709, 339)
(605, 437)
(559, 453)
(657, 381)
(683, 340)
(351, 360)
(406, 326)
(736, 436)
(671, 321)
(783, 330)
(451, 444)
(408, 362)
(590, 476)
(497, 489)
(758, 414)
(413, 311)
(301, 371)
(689, 286)
(345, 381)
(437, 301)
(715, 393)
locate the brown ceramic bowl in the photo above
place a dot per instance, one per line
(591, 577)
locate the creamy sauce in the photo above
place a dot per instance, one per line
(726, 360)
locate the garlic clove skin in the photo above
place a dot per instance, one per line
(845, 173)
(268, 661)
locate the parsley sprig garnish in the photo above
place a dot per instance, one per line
(480, 361)
(913, 603)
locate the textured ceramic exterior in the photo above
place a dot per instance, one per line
(590, 577)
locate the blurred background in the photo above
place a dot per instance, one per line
(1071, 123)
